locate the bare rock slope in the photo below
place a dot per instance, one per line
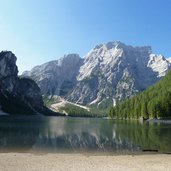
(109, 73)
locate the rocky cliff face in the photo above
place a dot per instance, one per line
(18, 95)
(116, 71)
(56, 77)
(108, 73)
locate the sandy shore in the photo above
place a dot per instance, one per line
(80, 162)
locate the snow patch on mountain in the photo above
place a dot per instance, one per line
(169, 59)
(159, 64)
(100, 57)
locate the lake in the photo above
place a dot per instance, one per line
(67, 134)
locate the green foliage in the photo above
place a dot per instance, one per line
(105, 104)
(74, 110)
(77, 111)
(154, 102)
(49, 101)
(147, 135)
(14, 105)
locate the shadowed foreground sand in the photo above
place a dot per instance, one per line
(74, 162)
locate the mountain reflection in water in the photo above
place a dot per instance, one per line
(64, 134)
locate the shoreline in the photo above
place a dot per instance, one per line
(143, 121)
(168, 121)
(164, 121)
(82, 162)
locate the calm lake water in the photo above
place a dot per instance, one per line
(65, 134)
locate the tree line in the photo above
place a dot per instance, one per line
(155, 102)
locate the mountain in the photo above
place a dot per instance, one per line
(56, 77)
(155, 102)
(109, 73)
(116, 71)
(18, 95)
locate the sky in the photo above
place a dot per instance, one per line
(38, 31)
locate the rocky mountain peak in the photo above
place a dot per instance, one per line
(105, 56)
(8, 64)
(121, 45)
(159, 64)
(109, 72)
(117, 70)
(18, 95)
(169, 59)
(109, 45)
(68, 59)
(58, 76)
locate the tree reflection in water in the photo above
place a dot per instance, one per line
(58, 134)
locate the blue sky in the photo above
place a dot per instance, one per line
(38, 31)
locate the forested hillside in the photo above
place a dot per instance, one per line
(155, 102)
